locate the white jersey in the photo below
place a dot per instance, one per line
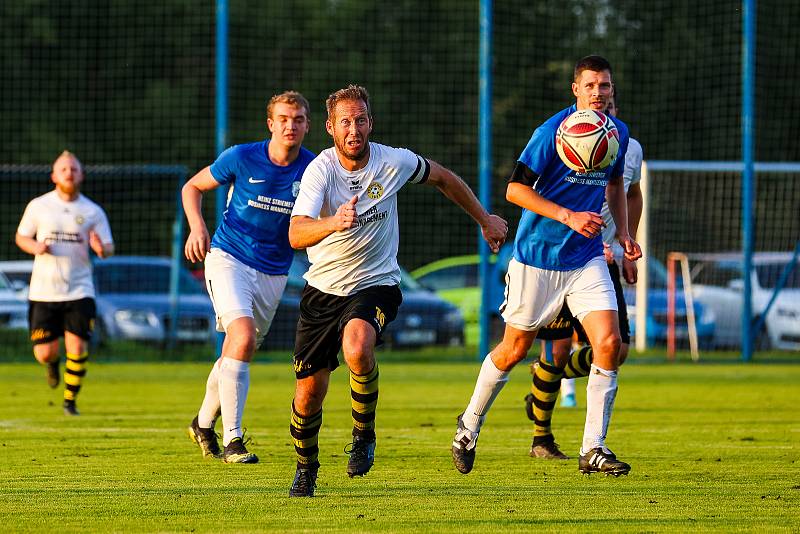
(64, 273)
(365, 255)
(631, 175)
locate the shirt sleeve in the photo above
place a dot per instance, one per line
(312, 192)
(103, 228)
(539, 151)
(421, 172)
(224, 168)
(28, 224)
(633, 162)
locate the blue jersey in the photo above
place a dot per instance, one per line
(546, 243)
(255, 225)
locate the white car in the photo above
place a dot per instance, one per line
(717, 283)
(13, 309)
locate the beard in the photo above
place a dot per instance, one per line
(341, 145)
(67, 188)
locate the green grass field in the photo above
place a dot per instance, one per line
(714, 447)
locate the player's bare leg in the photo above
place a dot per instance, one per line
(47, 355)
(358, 347)
(602, 329)
(491, 379)
(306, 421)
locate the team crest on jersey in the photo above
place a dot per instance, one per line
(79, 219)
(295, 189)
(375, 191)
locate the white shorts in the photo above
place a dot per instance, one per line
(237, 290)
(534, 296)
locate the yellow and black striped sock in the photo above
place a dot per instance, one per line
(305, 435)
(545, 387)
(74, 371)
(364, 400)
(580, 363)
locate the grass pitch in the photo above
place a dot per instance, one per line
(714, 447)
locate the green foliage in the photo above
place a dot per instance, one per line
(712, 449)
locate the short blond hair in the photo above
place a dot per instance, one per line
(351, 92)
(67, 153)
(292, 98)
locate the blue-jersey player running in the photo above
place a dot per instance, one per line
(558, 257)
(247, 261)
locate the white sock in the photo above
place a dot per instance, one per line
(567, 386)
(234, 381)
(600, 394)
(490, 381)
(209, 410)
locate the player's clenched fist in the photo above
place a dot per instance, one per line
(494, 232)
(587, 223)
(197, 245)
(345, 217)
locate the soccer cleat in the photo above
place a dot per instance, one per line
(568, 401)
(205, 438)
(70, 409)
(362, 456)
(529, 406)
(52, 374)
(236, 453)
(598, 460)
(304, 483)
(464, 444)
(548, 450)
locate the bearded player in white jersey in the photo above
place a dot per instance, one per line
(346, 216)
(58, 228)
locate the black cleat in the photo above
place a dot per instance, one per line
(362, 456)
(305, 481)
(236, 453)
(464, 457)
(205, 438)
(52, 374)
(599, 461)
(529, 406)
(548, 450)
(70, 409)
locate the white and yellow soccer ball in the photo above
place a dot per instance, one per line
(587, 140)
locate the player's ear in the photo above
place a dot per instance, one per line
(329, 126)
(575, 89)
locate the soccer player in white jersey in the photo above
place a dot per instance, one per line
(247, 262)
(346, 216)
(58, 228)
(558, 258)
(557, 360)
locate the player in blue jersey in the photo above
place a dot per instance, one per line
(247, 261)
(558, 258)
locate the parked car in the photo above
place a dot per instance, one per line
(133, 302)
(455, 279)
(18, 273)
(423, 317)
(717, 283)
(13, 309)
(657, 316)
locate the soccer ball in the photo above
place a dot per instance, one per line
(587, 141)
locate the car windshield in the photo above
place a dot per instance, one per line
(141, 278)
(769, 274)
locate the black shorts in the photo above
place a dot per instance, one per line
(49, 320)
(323, 317)
(562, 326)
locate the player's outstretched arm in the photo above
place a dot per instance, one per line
(587, 223)
(306, 232)
(30, 245)
(618, 206)
(199, 241)
(493, 227)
